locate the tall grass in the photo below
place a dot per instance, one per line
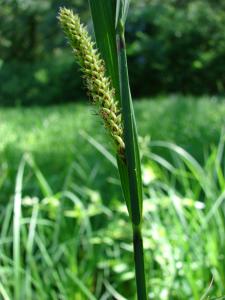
(90, 257)
(183, 203)
(107, 83)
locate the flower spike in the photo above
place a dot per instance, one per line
(98, 84)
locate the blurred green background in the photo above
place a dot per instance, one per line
(63, 226)
(177, 45)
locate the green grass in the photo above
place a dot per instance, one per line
(73, 241)
(72, 245)
(52, 134)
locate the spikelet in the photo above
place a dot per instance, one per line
(98, 84)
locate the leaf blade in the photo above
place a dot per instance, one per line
(103, 16)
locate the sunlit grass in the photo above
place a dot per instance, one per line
(189, 123)
(183, 233)
(52, 134)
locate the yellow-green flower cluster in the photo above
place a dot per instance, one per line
(98, 84)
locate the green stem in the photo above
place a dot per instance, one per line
(129, 131)
(132, 162)
(139, 263)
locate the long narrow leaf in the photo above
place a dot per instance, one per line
(104, 20)
(130, 130)
(103, 16)
(17, 229)
(121, 11)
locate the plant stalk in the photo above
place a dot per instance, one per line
(129, 132)
(139, 263)
(132, 161)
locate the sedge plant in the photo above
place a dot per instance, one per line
(105, 74)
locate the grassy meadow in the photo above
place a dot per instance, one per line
(63, 224)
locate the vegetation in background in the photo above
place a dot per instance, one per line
(63, 224)
(177, 45)
(187, 238)
(184, 228)
(31, 56)
(40, 131)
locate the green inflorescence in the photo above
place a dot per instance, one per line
(98, 84)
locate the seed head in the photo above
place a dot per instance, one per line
(98, 84)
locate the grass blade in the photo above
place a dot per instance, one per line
(106, 15)
(44, 186)
(81, 286)
(29, 248)
(99, 147)
(105, 12)
(132, 158)
(130, 133)
(16, 229)
(103, 16)
(3, 292)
